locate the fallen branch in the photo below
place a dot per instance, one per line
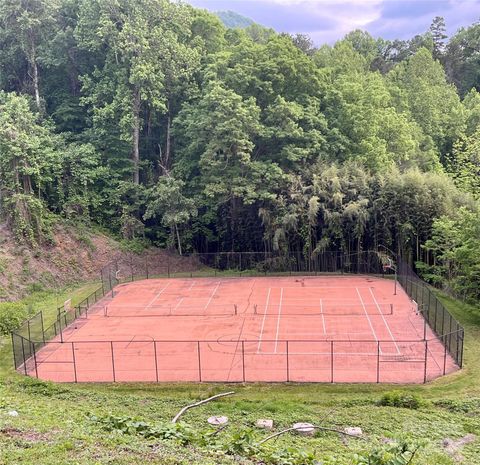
(201, 402)
(313, 426)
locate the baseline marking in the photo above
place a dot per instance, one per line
(278, 319)
(385, 322)
(263, 321)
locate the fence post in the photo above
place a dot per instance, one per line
(24, 360)
(424, 327)
(113, 362)
(110, 279)
(74, 363)
(13, 350)
(425, 369)
(288, 365)
(34, 358)
(168, 266)
(378, 362)
(199, 362)
(28, 327)
(243, 360)
(156, 362)
(146, 266)
(43, 327)
(445, 359)
(331, 360)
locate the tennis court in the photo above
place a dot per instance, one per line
(341, 329)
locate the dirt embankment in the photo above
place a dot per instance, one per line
(74, 257)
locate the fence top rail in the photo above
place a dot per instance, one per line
(236, 341)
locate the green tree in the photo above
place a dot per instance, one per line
(167, 201)
(28, 163)
(25, 28)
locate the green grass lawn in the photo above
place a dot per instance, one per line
(54, 425)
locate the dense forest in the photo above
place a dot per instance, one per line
(154, 120)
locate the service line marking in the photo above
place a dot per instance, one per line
(323, 317)
(366, 314)
(263, 321)
(157, 296)
(278, 319)
(211, 297)
(385, 322)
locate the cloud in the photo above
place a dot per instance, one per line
(330, 20)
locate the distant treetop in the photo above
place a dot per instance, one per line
(233, 20)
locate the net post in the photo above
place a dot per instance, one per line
(156, 361)
(243, 360)
(378, 362)
(391, 309)
(235, 308)
(113, 361)
(199, 363)
(331, 361)
(74, 363)
(425, 368)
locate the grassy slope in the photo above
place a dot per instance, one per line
(53, 426)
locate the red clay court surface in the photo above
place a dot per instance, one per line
(271, 329)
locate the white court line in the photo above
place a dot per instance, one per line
(385, 321)
(211, 297)
(157, 296)
(191, 285)
(323, 317)
(366, 314)
(263, 321)
(278, 319)
(178, 304)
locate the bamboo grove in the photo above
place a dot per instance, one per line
(152, 119)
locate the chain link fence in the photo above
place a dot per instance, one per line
(35, 332)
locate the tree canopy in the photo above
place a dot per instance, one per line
(154, 120)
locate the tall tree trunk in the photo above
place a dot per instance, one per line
(178, 240)
(34, 70)
(136, 135)
(168, 145)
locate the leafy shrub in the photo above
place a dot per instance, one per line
(290, 456)
(241, 442)
(44, 388)
(12, 315)
(460, 406)
(127, 425)
(401, 400)
(391, 454)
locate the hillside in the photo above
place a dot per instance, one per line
(76, 255)
(234, 20)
